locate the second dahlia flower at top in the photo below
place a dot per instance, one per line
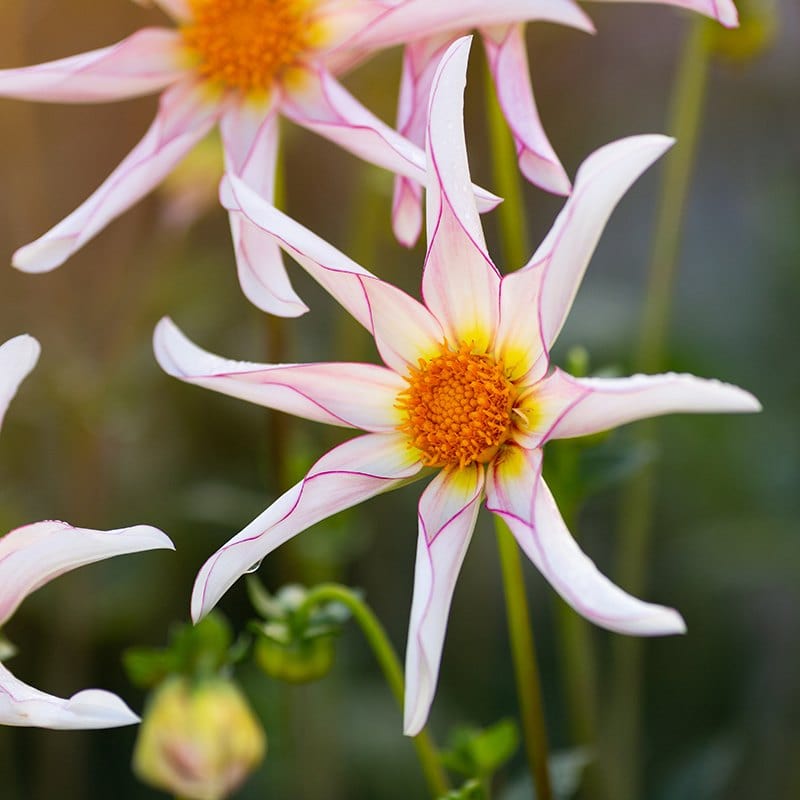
(466, 390)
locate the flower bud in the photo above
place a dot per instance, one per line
(198, 740)
(296, 661)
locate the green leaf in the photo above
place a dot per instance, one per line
(478, 753)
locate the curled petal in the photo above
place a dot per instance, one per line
(355, 471)
(351, 395)
(184, 117)
(34, 554)
(723, 11)
(22, 705)
(448, 509)
(516, 492)
(460, 284)
(563, 256)
(18, 356)
(571, 407)
(403, 328)
(145, 62)
(250, 141)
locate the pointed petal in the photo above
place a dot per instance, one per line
(143, 63)
(321, 104)
(723, 11)
(448, 509)
(35, 554)
(250, 141)
(22, 705)
(516, 492)
(350, 473)
(18, 356)
(563, 256)
(460, 284)
(350, 395)
(184, 117)
(569, 407)
(403, 328)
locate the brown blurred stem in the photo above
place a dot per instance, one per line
(637, 502)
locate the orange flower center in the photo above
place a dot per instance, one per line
(458, 407)
(246, 44)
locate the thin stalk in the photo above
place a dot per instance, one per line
(523, 653)
(376, 637)
(637, 502)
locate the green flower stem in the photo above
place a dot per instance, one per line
(523, 653)
(638, 501)
(373, 631)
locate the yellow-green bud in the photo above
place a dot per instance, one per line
(297, 661)
(198, 740)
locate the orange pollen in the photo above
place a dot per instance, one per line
(246, 44)
(458, 407)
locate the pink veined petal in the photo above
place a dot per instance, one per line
(22, 705)
(145, 62)
(350, 395)
(415, 19)
(250, 141)
(563, 256)
(581, 406)
(448, 509)
(18, 356)
(460, 283)
(722, 10)
(184, 117)
(349, 474)
(321, 104)
(516, 492)
(403, 328)
(420, 60)
(34, 554)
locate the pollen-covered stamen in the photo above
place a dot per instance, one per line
(458, 406)
(246, 44)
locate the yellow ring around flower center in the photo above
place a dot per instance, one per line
(457, 406)
(246, 44)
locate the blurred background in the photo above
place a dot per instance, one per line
(100, 437)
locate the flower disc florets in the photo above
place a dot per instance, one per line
(458, 407)
(245, 44)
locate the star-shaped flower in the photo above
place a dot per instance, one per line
(35, 554)
(466, 389)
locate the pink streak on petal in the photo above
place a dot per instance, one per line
(18, 356)
(349, 474)
(448, 509)
(145, 62)
(184, 117)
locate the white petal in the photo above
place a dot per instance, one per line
(22, 705)
(18, 356)
(35, 554)
(351, 395)
(143, 63)
(350, 473)
(460, 284)
(184, 117)
(516, 492)
(722, 10)
(180, 10)
(448, 509)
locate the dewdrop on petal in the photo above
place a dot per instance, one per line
(198, 740)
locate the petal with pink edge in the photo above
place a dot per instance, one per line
(460, 284)
(349, 474)
(250, 141)
(145, 62)
(350, 395)
(22, 705)
(185, 116)
(18, 356)
(571, 407)
(563, 256)
(448, 509)
(516, 492)
(34, 554)
(723, 11)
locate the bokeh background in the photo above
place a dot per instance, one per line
(100, 437)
